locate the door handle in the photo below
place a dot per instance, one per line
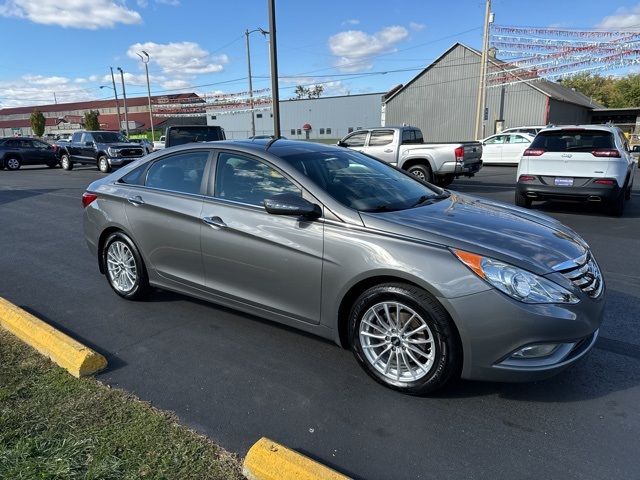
(215, 222)
(136, 200)
(388, 150)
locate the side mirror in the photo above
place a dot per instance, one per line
(290, 204)
(341, 144)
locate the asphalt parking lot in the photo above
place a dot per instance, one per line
(236, 378)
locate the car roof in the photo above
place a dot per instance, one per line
(608, 128)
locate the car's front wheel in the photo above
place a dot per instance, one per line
(103, 164)
(13, 164)
(66, 163)
(404, 338)
(522, 201)
(124, 267)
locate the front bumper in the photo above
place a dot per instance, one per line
(492, 327)
(120, 161)
(588, 191)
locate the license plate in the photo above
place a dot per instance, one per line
(563, 182)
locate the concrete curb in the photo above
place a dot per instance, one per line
(71, 355)
(268, 460)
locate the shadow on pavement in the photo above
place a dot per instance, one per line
(8, 196)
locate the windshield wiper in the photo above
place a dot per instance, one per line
(382, 208)
(426, 199)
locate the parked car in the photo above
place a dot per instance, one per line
(146, 144)
(15, 152)
(179, 135)
(421, 283)
(589, 163)
(404, 147)
(159, 144)
(532, 130)
(101, 148)
(505, 148)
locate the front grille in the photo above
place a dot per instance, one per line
(585, 274)
(131, 152)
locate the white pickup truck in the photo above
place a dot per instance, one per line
(404, 147)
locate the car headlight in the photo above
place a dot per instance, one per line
(515, 282)
(113, 152)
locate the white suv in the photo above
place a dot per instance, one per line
(584, 163)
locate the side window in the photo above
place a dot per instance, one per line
(86, 137)
(380, 137)
(12, 143)
(419, 138)
(26, 143)
(498, 139)
(243, 179)
(41, 145)
(518, 139)
(76, 137)
(178, 173)
(356, 140)
(135, 176)
(409, 137)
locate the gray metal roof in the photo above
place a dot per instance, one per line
(553, 90)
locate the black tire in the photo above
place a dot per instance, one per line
(65, 162)
(447, 360)
(627, 192)
(616, 207)
(423, 172)
(140, 289)
(445, 180)
(13, 163)
(522, 201)
(103, 164)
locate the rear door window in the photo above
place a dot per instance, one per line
(380, 137)
(181, 173)
(411, 137)
(574, 140)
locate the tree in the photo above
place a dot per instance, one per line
(612, 92)
(37, 123)
(304, 92)
(91, 121)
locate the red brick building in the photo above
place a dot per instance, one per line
(68, 117)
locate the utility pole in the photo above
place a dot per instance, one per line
(124, 96)
(275, 97)
(253, 118)
(55, 100)
(146, 69)
(115, 94)
(482, 84)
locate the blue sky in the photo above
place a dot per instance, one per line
(198, 45)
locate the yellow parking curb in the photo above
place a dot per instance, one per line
(71, 355)
(268, 460)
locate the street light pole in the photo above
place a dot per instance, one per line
(115, 94)
(146, 69)
(124, 96)
(253, 118)
(275, 97)
(482, 85)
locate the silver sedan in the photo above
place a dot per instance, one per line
(422, 284)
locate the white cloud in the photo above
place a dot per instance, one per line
(173, 3)
(175, 84)
(87, 14)
(180, 58)
(351, 21)
(417, 27)
(354, 48)
(623, 18)
(45, 81)
(39, 90)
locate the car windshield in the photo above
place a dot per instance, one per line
(109, 137)
(361, 182)
(573, 140)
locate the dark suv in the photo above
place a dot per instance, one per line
(101, 148)
(18, 151)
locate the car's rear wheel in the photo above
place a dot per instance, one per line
(124, 268)
(423, 172)
(13, 164)
(522, 201)
(445, 180)
(616, 208)
(66, 162)
(103, 164)
(404, 338)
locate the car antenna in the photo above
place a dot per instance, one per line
(272, 141)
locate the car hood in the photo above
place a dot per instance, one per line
(525, 239)
(123, 145)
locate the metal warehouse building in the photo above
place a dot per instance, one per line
(325, 118)
(443, 98)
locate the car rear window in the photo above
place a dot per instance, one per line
(573, 140)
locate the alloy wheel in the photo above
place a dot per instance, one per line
(121, 267)
(13, 164)
(397, 342)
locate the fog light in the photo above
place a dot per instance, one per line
(536, 351)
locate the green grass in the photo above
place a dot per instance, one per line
(54, 426)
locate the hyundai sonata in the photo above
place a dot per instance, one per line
(422, 284)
